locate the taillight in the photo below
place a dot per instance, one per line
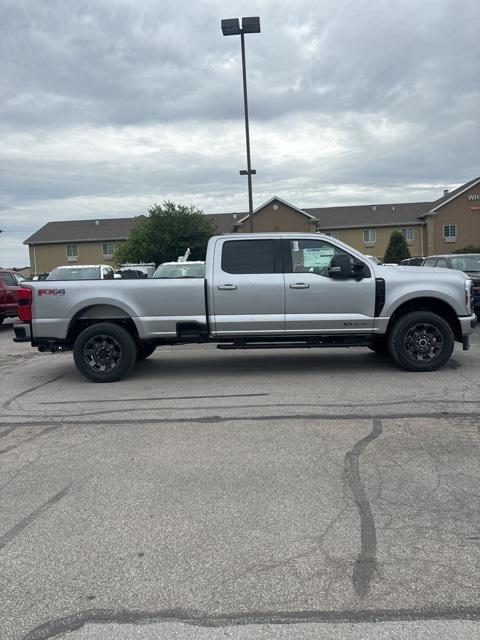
(25, 304)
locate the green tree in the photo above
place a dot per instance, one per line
(166, 233)
(397, 249)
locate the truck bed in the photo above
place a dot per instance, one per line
(156, 306)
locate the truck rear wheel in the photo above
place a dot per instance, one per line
(104, 352)
(421, 341)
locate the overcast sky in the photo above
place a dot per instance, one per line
(108, 106)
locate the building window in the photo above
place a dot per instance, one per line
(72, 252)
(408, 234)
(107, 249)
(332, 234)
(450, 232)
(369, 237)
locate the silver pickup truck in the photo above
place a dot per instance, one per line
(268, 290)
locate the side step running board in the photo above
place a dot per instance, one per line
(324, 341)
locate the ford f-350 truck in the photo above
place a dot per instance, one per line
(267, 290)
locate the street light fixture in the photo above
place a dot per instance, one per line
(231, 27)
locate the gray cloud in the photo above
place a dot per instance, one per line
(107, 103)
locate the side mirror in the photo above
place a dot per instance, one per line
(117, 276)
(346, 266)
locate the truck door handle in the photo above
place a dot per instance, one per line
(299, 285)
(227, 287)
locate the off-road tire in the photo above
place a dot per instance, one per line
(421, 341)
(145, 350)
(104, 344)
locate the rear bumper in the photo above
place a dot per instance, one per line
(23, 332)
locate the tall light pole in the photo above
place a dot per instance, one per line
(231, 27)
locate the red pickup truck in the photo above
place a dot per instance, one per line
(10, 282)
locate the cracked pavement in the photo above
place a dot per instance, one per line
(299, 494)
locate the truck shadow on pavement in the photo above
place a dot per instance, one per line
(271, 364)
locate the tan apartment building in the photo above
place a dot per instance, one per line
(77, 242)
(442, 226)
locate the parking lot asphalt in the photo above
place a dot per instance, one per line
(248, 494)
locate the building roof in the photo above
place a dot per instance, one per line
(304, 212)
(225, 221)
(370, 215)
(96, 230)
(451, 195)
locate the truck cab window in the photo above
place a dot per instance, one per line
(312, 256)
(248, 256)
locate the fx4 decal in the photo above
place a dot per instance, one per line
(51, 292)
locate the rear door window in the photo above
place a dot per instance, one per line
(429, 262)
(248, 256)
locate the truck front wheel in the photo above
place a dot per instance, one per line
(421, 341)
(104, 352)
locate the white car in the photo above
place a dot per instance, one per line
(83, 272)
(181, 270)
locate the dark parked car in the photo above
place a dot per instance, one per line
(10, 283)
(412, 262)
(131, 274)
(469, 263)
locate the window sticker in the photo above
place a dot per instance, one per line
(318, 257)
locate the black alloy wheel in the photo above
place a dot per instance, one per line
(104, 352)
(423, 342)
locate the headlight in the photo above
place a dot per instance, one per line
(468, 294)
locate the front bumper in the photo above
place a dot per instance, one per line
(23, 332)
(467, 325)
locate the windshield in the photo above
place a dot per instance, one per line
(18, 278)
(180, 271)
(466, 263)
(87, 273)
